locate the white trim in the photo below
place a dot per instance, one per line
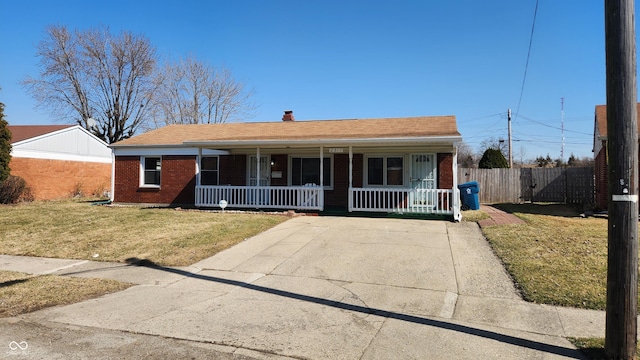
(113, 177)
(46, 155)
(199, 170)
(141, 177)
(365, 170)
(321, 161)
(165, 151)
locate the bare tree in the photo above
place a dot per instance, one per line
(466, 157)
(495, 143)
(95, 75)
(194, 92)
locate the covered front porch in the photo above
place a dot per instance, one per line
(416, 201)
(357, 178)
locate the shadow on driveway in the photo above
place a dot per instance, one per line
(552, 349)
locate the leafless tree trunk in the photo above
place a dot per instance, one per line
(95, 75)
(194, 92)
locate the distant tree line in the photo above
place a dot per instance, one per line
(493, 154)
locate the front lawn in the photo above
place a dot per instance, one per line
(22, 293)
(556, 257)
(80, 230)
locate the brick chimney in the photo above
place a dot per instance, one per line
(288, 116)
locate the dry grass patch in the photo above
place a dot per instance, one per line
(23, 293)
(557, 257)
(474, 215)
(78, 230)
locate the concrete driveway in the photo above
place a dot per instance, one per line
(339, 288)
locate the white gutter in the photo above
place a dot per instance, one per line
(325, 142)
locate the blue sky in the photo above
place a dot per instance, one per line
(362, 59)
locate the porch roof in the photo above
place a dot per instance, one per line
(424, 129)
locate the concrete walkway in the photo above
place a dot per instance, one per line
(324, 288)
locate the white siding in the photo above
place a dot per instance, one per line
(73, 144)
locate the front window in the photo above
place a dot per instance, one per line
(209, 170)
(307, 171)
(151, 171)
(385, 170)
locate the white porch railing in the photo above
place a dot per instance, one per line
(421, 201)
(269, 197)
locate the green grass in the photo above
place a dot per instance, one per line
(474, 215)
(78, 230)
(22, 293)
(556, 257)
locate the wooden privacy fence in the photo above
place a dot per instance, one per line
(572, 185)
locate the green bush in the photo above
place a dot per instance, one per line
(13, 189)
(493, 158)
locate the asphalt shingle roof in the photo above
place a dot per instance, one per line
(408, 127)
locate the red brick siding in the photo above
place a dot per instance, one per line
(56, 179)
(177, 181)
(338, 196)
(233, 170)
(445, 171)
(280, 163)
(358, 170)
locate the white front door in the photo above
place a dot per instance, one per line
(259, 196)
(423, 180)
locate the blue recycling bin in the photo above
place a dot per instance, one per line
(469, 195)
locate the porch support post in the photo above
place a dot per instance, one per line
(350, 166)
(257, 166)
(321, 166)
(113, 176)
(321, 195)
(350, 197)
(455, 192)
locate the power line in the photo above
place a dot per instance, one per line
(526, 66)
(554, 127)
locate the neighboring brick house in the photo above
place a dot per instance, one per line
(600, 155)
(60, 161)
(404, 165)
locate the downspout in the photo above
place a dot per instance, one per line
(113, 175)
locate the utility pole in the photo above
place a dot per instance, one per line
(509, 127)
(622, 149)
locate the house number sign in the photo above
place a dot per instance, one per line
(336, 150)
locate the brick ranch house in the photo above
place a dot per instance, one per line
(402, 165)
(58, 161)
(600, 155)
